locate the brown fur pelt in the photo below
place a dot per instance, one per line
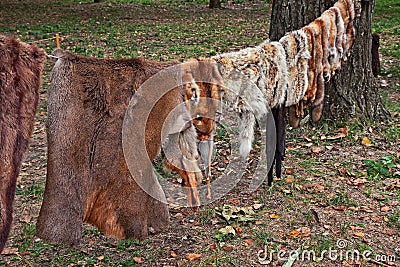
(203, 89)
(87, 176)
(317, 26)
(20, 69)
(204, 86)
(333, 58)
(312, 65)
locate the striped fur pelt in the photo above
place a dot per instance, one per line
(20, 69)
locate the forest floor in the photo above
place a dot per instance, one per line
(340, 191)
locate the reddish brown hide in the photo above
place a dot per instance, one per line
(87, 176)
(20, 69)
(203, 87)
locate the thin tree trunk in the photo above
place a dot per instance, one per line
(215, 4)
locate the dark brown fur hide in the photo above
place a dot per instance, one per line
(20, 69)
(376, 64)
(87, 176)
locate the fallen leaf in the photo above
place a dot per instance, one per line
(249, 242)
(286, 191)
(388, 231)
(274, 216)
(213, 247)
(227, 230)
(173, 254)
(228, 248)
(359, 234)
(340, 208)
(359, 181)
(316, 149)
(304, 231)
(289, 179)
(376, 219)
(385, 209)
(338, 136)
(257, 206)
(25, 218)
(193, 256)
(137, 259)
(294, 233)
(298, 187)
(331, 195)
(100, 258)
(366, 142)
(9, 251)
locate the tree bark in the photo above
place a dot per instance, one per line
(215, 4)
(352, 91)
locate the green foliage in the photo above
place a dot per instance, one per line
(341, 199)
(381, 169)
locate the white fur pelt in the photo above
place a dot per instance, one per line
(297, 55)
(242, 72)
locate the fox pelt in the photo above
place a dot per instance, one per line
(20, 70)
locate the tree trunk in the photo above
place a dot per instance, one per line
(87, 175)
(215, 4)
(352, 91)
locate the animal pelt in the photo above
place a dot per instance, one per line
(20, 70)
(297, 55)
(87, 176)
(347, 12)
(204, 87)
(265, 65)
(275, 71)
(376, 64)
(339, 33)
(279, 114)
(300, 55)
(241, 70)
(333, 58)
(312, 65)
(186, 166)
(316, 101)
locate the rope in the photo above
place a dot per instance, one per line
(57, 37)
